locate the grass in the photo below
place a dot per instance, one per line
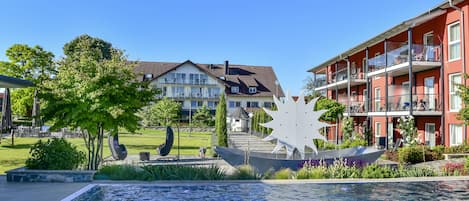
(145, 140)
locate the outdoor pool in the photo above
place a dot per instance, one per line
(428, 190)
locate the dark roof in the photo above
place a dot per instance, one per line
(11, 82)
(243, 76)
(239, 113)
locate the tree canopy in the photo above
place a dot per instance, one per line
(220, 122)
(334, 108)
(30, 63)
(94, 94)
(165, 112)
(202, 117)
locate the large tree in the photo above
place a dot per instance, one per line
(29, 63)
(334, 109)
(220, 122)
(95, 93)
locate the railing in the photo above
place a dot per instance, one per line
(319, 82)
(194, 95)
(420, 102)
(399, 53)
(188, 82)
(355, 106)
(338, 76)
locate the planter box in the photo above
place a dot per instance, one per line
(26, 175)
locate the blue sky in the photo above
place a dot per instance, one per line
(292, 36)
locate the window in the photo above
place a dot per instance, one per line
(234, 89)
(377, 129)
(233, 104)
(454, 42)
(252, 104)
(454, 98)
(203, 79)
(213, 92)
(455, 134)
(213, 104)
(252, 90)
(377, 99)
(194, 78)
(196, 104)
(268, 105)
(177, 91)
(196, 92)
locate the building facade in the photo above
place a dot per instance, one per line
(409, 70)
(194, 85)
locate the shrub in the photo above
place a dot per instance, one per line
(339, 169)
(411, 154)
(313, 172)
(245, 172)
(376, 171)
(122, 172)
(416, 172)
(458, 149)
(466, 165)
(54, 154)
(352, 143)
(283, 174)
(453, 169)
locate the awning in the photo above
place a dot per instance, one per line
(11, 82)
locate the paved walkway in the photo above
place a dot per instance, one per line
(10, 191)
(241, 140)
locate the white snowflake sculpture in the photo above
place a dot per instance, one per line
(295, 125)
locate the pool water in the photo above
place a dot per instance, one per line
(435, 190)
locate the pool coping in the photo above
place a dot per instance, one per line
(274, 181)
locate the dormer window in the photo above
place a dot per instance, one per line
(252, 90)
(234, 89)
(147, 76)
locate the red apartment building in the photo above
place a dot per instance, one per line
(410, 69)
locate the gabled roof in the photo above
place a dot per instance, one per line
(239, 113)
(243, 76)
(432, 13)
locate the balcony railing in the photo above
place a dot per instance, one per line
(187, 82)
(194, 95)
(319, 82)
(355, 106)
(338, 76)
(420, 102)
(399, 53)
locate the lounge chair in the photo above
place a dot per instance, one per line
(165, 148)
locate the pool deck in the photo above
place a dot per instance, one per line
(12, 191)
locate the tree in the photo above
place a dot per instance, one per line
(202, 117)
(30, 63)
(95, 94)
(464, 94)
(334, 109)
(220, 122)
(164, 112)
(347, 128)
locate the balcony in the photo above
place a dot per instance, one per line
(194, 96)
(339, 79)
(399, 105)
(197, 82)
(356, 108)
(423, 57)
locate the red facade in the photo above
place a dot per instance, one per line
(408, 72)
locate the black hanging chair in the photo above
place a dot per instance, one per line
(165, 148)
(118, 151)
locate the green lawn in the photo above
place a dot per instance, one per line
(144, 140)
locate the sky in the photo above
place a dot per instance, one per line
(291, 36)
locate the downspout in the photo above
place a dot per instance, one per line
(463, 56)
(386, 93)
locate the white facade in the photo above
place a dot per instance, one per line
(232, 102)
(190, 86)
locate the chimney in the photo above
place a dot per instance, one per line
(227, 67)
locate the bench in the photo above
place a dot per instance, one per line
(459, 155)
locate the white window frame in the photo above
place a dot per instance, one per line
(451, 137)
(377, 99)
(451, 93)
(377, 131)
(234, 89)
(252, 90)
(450, 43)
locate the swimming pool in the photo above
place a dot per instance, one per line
(428, 190)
